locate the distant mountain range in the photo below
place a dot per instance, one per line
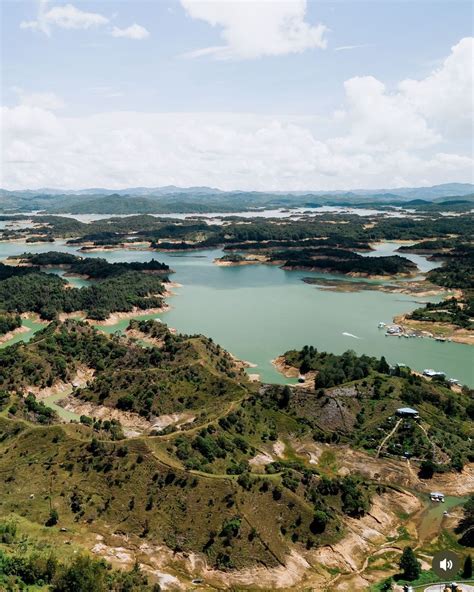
(172, 199)
(444, 190)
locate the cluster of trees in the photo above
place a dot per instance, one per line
(334, 369)
(40, 239)
(466, 526)
(55, 353)
(210, 445)
(27, 290)
(353, 491)
(453, 311)
(92, 267)
(33, 410)
(430, 246)
(435, 226)
(183, 373)
(83, 574)
(343, 261)
(9, 322)
(455, 273)
(339, 241)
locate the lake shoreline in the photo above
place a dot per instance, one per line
(12, 334)
(437, 330)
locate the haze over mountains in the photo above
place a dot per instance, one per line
(171, 199)
(444, 190)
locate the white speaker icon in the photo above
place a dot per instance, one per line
(446, 564)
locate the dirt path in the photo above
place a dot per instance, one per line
(387, 437)
(385, 548)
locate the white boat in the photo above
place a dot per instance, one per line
(431, 373)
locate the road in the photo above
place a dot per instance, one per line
(440, 588)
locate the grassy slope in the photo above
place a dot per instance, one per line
(185, 511)
(168, 489)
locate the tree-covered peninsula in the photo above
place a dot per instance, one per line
(121, 289)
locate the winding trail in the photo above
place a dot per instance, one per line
(387, 437)
(385, 548)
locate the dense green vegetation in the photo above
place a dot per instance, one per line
(25, 289)
(409, 565)
(9, 323)
(333, 369)
(94, 268)
(455, 273)
(453, 311)
(416, 229)
(466, 526)
(341, 261)
(51, 572)
(181, 374)
(431, 246)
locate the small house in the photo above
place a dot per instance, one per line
(407, 412)
(435, 496)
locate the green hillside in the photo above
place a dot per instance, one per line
(200, 487)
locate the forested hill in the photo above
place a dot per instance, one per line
(183, 373)
(343, 261)
(26, 289)
(94, 268)
(368, 392)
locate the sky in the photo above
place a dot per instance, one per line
(248, 94)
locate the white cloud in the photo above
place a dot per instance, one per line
(251, 29)
(68, 16)
(349, 47)
(446, 96)
(63, 17)
(380, 139)
(419, 113)
(42, 100)
(383, 120)
(136, 32)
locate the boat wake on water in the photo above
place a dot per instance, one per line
(351, 335)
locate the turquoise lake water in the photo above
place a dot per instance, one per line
(258, 312)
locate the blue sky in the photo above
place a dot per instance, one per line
(195, 92)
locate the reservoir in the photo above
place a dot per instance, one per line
(258, 312)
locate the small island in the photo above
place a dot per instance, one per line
(236, 259)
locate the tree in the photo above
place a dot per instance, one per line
(427, 469)
(53, 518)
(457, 462)
(83, 575)
(466, 525)
(383, 366)
(409, 565)
(320, 520)
(467, 569)
(285, 397)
